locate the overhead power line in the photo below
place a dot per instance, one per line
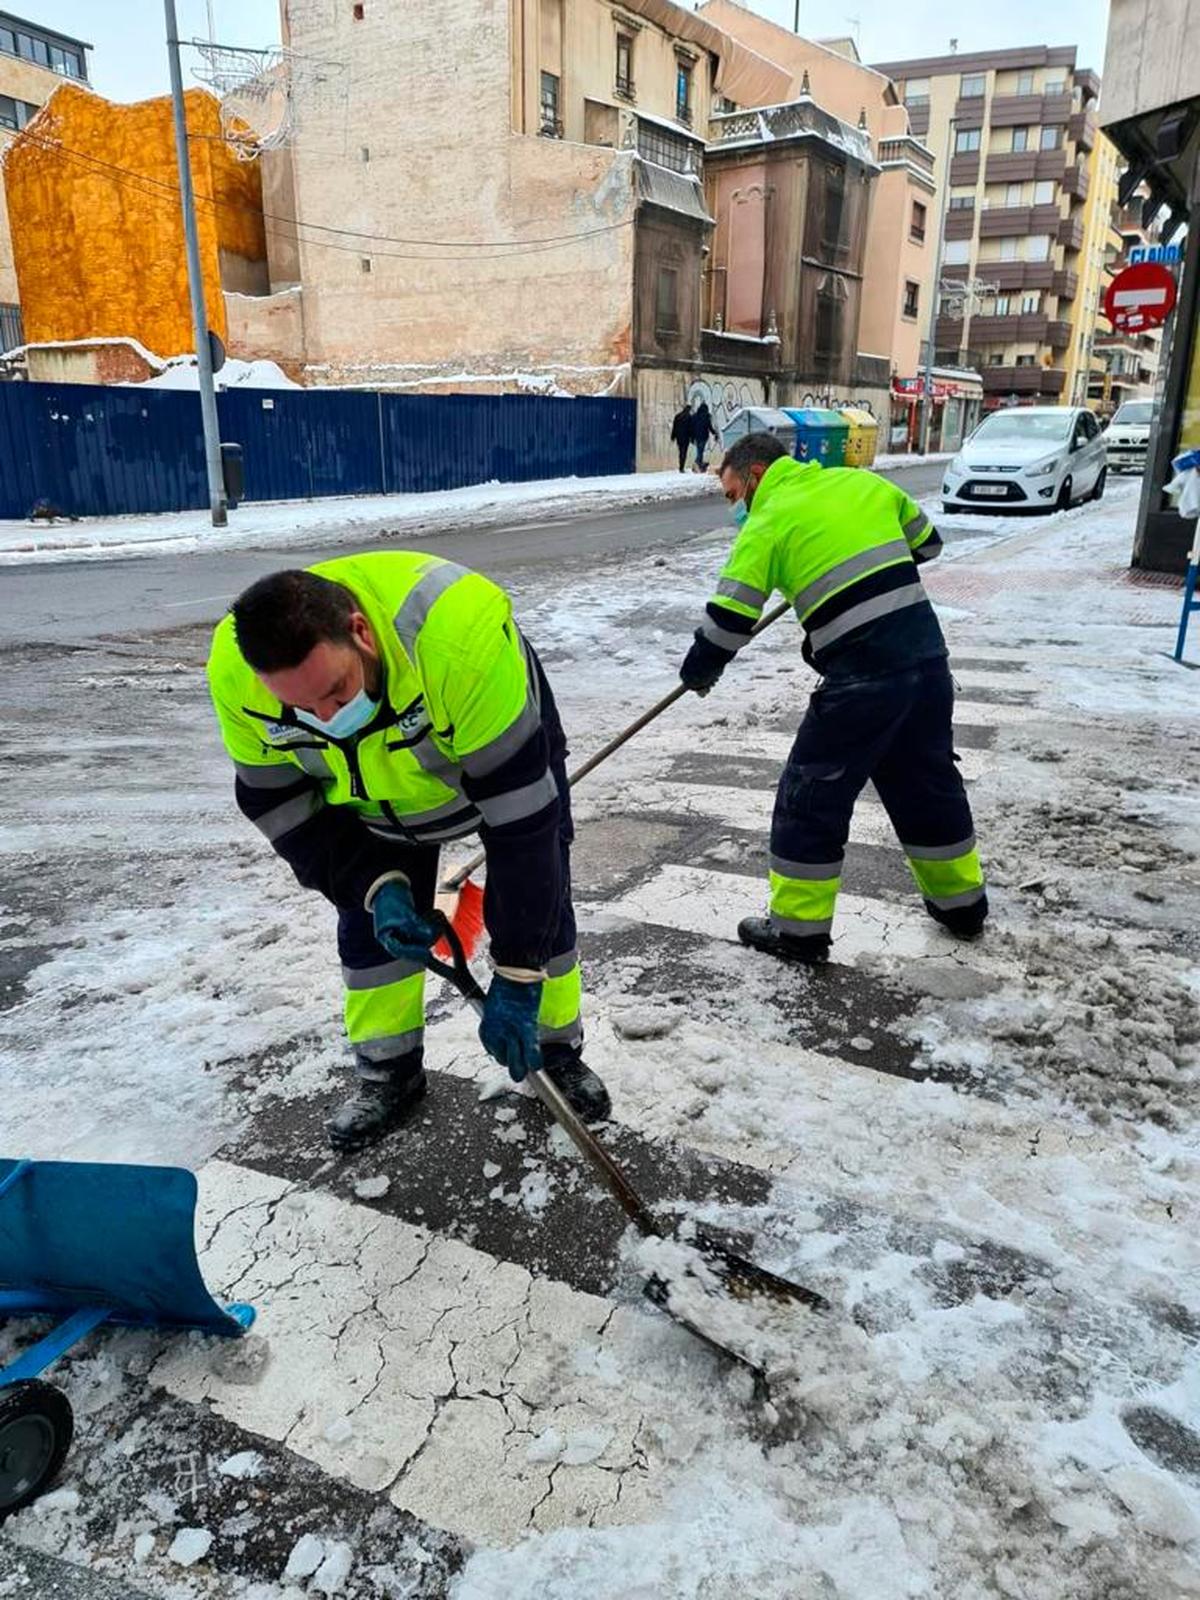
(147, 185)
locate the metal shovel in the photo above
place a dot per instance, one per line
(742, 1279)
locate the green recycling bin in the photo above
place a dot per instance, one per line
(820, 435)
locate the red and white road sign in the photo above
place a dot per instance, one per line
(1140, 297)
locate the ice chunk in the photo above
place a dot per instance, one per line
(189, 1546)
(331, 1575)
(246, 1464)
(308, 1553)
(373, 1188)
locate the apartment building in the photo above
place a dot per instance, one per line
(1012, 133)
(33, 62)
(901, 251)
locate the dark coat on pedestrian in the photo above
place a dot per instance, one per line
(681, 428)
(702, 426)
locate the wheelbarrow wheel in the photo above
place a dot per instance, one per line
(36, 1427)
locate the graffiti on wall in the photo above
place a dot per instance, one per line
(832, 402)
(724, 396)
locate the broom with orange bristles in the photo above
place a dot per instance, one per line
(460, 898)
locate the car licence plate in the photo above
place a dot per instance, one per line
(1000, 489)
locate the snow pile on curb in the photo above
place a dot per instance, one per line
(291, 522)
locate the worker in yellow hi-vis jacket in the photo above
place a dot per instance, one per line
(845, 547)
(374, 706)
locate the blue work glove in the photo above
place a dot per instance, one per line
(404, 932)
(703, 665)
(508, 1029)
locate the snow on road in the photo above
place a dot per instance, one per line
(986, 1158)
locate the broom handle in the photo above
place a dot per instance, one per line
(458, 878)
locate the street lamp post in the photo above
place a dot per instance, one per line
(204, 370)
(935, 298)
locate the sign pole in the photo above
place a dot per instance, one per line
(204, 367)
(935, 297)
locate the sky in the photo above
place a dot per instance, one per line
(129, 60)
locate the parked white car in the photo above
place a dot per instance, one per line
(1028, 458)
(1128, 436)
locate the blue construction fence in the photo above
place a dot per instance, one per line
(91, 450)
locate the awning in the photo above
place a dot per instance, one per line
(680, 192)
(742, 75)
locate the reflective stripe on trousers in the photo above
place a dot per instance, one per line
(559, 1019)
(803, 895)
(385, 1017)
(947, 875)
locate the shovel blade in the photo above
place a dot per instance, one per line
(745, 1280)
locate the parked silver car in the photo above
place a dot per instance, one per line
(1128, 436)
(1030, 458)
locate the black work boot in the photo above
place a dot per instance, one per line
(580, 1087)
(964, 922)
(384, 1095)
(809, 950)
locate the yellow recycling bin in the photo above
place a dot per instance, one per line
(863, 439)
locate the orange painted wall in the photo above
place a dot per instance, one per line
(99, 252)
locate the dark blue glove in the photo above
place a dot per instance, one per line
(404, 932)
(703, 665)
(508, 1028)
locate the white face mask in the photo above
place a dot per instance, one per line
(739, 511)
(347, 720)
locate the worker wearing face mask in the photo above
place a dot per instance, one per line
(844, 546)
(373, 707)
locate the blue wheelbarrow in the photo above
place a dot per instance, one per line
(90, 1243)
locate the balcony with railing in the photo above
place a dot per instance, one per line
(1065, 285)
(1075, 182)
(1023, 380)
(964, 168)
(1004, 222)
(1010, 275)
(918, 116)
(1058, 334)
(906, 152)
(960, 223)
(1082, 128)
(1070, 233)
(1014, 166)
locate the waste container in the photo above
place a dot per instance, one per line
(863, 439)
(820, 435)
(760, 419)
(233, 474)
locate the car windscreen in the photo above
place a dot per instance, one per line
(1023, 427)
(1136, 412)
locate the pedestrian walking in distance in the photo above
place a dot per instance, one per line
(845, 547)
(702, 432)
(374, 706)
(681, 433)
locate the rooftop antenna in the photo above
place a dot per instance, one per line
(954, 47)
(856, 24)
(212, 34)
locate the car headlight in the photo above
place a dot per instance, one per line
(1044, 469)
(956, 467)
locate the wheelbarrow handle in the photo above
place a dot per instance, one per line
(457, 973)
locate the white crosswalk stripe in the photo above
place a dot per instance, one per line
(404, 1362)
(695, 900)
(747, 808)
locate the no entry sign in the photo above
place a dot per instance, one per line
(1140, 297)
